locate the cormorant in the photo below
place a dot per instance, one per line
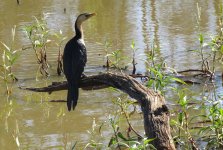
(74, 60)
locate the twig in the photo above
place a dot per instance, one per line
(127, 119)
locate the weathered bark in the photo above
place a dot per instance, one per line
(155, 112)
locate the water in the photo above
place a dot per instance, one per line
(42, 125)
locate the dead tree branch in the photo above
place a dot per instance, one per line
(155, 112)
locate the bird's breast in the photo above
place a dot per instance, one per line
(81, 41)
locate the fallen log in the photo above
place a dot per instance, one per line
(155, 112)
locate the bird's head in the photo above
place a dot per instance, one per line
(83, 17)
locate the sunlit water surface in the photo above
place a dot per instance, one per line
(31, 122)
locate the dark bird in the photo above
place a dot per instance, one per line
(74, 60)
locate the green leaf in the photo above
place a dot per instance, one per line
(152, 147)
(17, 141)
(61, 32)
(148, 141)
(13, 33)
(37, 43)
(149, 83)
(28, 30)
(14, 59)
(183, 101)
(201, 38)
(180, 118)
(133, 44)
(178, 80)
(111, 142)
(8, 48)
(221, 50)
(73, 147)
(120, 135)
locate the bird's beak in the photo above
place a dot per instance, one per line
(91, 15)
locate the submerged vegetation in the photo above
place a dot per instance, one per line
(190, 131)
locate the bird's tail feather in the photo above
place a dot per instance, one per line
(72, 96)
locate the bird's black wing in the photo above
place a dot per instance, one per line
(74, 63)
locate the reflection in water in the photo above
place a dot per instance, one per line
(171, 24)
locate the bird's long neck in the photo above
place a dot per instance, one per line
(78, 30)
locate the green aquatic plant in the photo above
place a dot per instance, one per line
(132, 140)
(134, 57)
(210, 51)
(60, 39)
(200, 51)
(160, 76)
(95, 136)
(9, 57)
(107, 45)
(38, 34)
(206, 126)
(118, 139)
(160, 79)
(212, 133)
(183, 137)
(116, 60)
(216, 45)
(7, 114)
(15, 135)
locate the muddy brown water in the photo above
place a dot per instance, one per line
(28, 121)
